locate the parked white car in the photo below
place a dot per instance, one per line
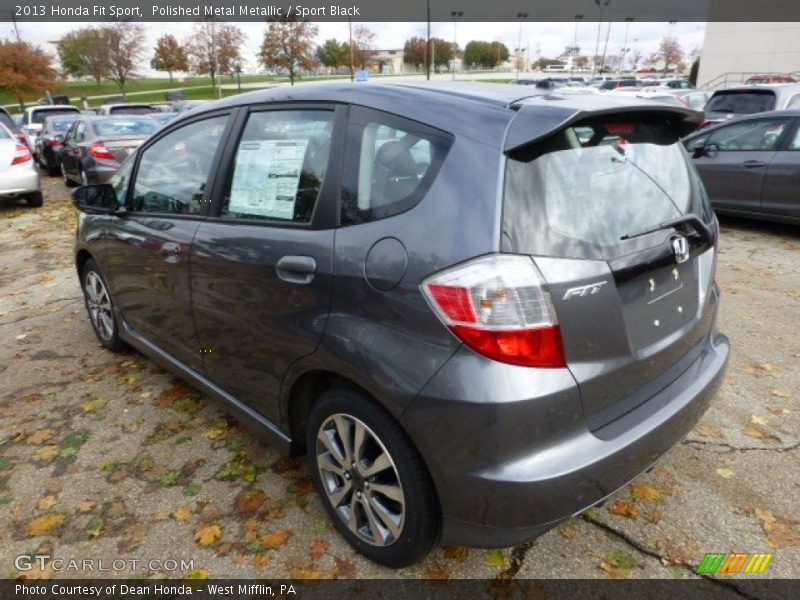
(19, 177)
(33, 118)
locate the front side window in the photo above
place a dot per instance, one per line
(391, 164)
(749, 135)
(280, 165)
(172, 172)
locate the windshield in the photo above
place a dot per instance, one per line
(120, 127)
(579, 192)
(742, 102)
(38, 116)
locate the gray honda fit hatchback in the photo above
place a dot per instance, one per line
(478, 309)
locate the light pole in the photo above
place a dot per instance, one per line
(625, 49)
(521, 16)
(238, 68)
(350, 31)
(456, 14)
(428, 52)
(602, 4)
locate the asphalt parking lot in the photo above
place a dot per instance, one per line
(109, 456)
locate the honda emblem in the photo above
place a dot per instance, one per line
(680, 248)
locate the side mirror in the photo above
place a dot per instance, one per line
(709, 150)
(97, 199)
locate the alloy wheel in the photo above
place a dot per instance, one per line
(99, 304)
(360, 480)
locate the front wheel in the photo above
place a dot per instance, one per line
(372, 481)
(100, 307)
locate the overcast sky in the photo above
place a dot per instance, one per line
(542, 39)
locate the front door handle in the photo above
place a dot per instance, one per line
(169, 249)
(753, 164)
(296, 269)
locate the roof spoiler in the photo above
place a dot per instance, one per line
(534, 122)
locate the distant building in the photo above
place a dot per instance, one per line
(734, 51)
(389, 62)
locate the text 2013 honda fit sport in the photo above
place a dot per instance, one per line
(478, 310)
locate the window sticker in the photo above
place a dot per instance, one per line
(266, 177)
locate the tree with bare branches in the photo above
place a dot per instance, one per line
(214, 49)
(125, 45)
(363, 46)
(669, 54)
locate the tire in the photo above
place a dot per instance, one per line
(67, 181)
(97, 298)
(406, 498)
(34, 199)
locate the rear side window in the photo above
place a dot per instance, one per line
(578, 192)
(750, 135)
(390, 163)
(742, 102)
(6, 120)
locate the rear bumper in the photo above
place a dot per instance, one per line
(19, 179)
(528, 464)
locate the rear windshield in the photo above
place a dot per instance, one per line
(121, 127)
(742, 102)
(60, 124)
(577, 193)
(38, 116)
(131, 110)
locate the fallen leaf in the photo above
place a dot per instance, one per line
(781, 532)
(276, 539)
(613, 572)
(46, 453)
(624, 509)
(755, 420)
(40, 436)
(44, 523)
(497, 558)
(346, 568)
(305, 572)
(161, 515)
(208, 535)
(183, 513)
(779, 411)
(261, 560)
(569, 531)
(201, 573)
(645, 491)
(455, 552)
(250, 500)
(780, 393)
(758, 433)
(47, 502)
(93, 405)
(318, 547)
(708, 431)
(653, 516)
(726, 473)
(86, 506)
(437, 571)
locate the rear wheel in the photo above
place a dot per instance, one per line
(34, 199)
(372, 481)
(100, 307)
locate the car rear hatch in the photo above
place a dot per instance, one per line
(587, 198)
(726, 104)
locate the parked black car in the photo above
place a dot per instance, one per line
(95, 146)
(751, 166)
(50, 142)
(474, 325)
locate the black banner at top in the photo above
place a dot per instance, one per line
(399, 10)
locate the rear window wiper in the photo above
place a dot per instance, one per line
(682, 223)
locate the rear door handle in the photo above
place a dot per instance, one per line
(170, 249)
(753, 164)
(296, 269)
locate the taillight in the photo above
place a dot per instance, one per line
(498, 306)
(99, 150)
(22, 139)
(21, 154)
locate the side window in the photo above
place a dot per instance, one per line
(172, 173)
(749, 135)
(795, 143)
(71, 132)
(280, 165)
(391, 164)
(696, 143)
(121, 179)
(80, 132)
(794, 102)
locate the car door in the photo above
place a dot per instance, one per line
(735, 163)
(71, 153)
(781, 196)
(150, 245)
(262, 269)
